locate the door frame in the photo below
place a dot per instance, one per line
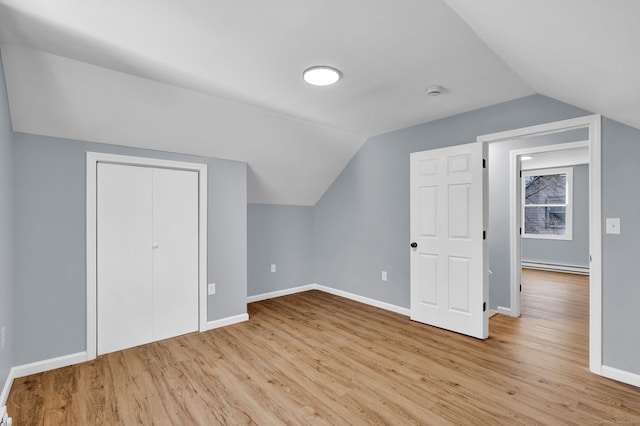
(594, 125)
(93, 158)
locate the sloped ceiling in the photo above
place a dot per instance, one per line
(223, 78)
(582, 52)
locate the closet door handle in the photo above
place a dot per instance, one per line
(414, 245)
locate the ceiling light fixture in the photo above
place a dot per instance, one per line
(434, 90)
(321, 75)
(526, 157)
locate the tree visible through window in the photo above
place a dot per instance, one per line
(547, 203)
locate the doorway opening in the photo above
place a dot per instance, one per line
(592, 126)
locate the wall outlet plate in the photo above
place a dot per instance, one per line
(613, 225)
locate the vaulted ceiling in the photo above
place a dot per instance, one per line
(223, 78)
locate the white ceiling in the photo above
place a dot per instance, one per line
(223, 78)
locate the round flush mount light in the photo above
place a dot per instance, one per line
(321, 75)
(434, 90)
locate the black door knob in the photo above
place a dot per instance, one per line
(414, 245)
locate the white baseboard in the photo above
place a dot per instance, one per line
(556, 267)
(7, 387)
(621, 375)
(367, 301)
(335, 292)
(48, 364)
(504, 311)
(38, 367)
(227, 321)
(278, 293)
(66, 360)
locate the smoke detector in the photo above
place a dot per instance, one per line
(434, 90)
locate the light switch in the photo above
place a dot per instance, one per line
(384, 275)
(273, 267)
(212, 288)
(613, 225)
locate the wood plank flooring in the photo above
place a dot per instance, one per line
(314, 358)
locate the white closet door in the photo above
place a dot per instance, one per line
(175, 253)
(124, 257)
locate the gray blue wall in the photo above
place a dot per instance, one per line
(50, 199)
(6, 231)
(573, 252)
(621, 253)
(361, 223)
(358, 228)
(280, 235)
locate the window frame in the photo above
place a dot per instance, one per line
(568, 172)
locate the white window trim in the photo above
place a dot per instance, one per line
(569, 203)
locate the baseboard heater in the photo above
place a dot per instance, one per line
(556, 267)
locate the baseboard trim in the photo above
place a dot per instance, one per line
(621, 375)
(556, 267)
(367, 301)
(66, 360)
(504, 311)
(227, 321)
(49, 364)
(279, 293)
(7, 387)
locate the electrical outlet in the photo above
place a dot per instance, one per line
(212, 288)
(384, 275)
(273, 267)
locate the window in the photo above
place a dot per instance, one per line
(546, 201)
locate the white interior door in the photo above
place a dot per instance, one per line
(124, 257)
(449, 285)
(175, 252)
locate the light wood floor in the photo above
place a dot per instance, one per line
(314, 358)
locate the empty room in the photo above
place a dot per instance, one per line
(336, 212)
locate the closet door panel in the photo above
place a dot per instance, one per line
(124, 236)
(175, 253)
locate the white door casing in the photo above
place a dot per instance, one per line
(594, 125)
(93, 159)
(449, 285)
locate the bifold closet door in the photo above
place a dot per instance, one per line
(147, 251)
(125, 257)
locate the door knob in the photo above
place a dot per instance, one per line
(155, 245)
(414, 245)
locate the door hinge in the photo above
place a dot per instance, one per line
(484, 235)
(520, 173)
(484, 163)
(520, 287)
(520, 231)
(484, 306)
